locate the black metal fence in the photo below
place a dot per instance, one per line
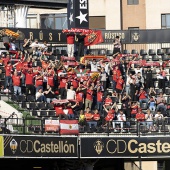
(29, 125)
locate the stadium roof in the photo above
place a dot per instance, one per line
(52, 4)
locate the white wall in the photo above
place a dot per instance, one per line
(154, 9)
(108, 8)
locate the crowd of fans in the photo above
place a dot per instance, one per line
(98, 92)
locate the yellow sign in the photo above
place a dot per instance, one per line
(1, 146)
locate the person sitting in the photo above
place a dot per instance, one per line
(49, 94)
(40, 96)
(149, 119)
(89, 118)
(160, 101)
(159, 118)
(82, 119)
(96, 117)
(152, 104)
(121, 118)
(140, 116)
(142, 97)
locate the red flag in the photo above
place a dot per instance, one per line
(69, 127)
(94, 38)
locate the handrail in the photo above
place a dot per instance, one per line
(129, 127)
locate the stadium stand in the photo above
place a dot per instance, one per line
(61, 89)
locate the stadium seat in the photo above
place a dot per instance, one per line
(52, 57)
(2, 76)
(99, 129)
(168, 51)
(168, 100)
(21, 98)
(164, 128)
(109, 52)
(31, 128)
(155, 58)
(37, 129)
(31, 106)
(50, 106)
(158, 91)
(145, 57)
(30, 98)
(43, 113)
(143, 129)
(51, 113)
(143, 52)
(167, 91)
(165, 57)
(102, 52)
(14, 98)
(39, 63)
(81, 129)
(151, 52)
(144, 106)
(34, 113)
(134, 51)
(133, 129)
(64, 52)
(160, 52)
(41, 106)
(126, 52)
(56, 52)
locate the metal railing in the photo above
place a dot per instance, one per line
(29, 125)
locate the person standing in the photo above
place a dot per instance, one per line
(117, 45)
(80, 45)
(70, 44)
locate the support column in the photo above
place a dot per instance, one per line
(21, 16)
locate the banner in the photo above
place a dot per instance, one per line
(78, 14)
(94, 38)
(124, 147)
(40, 146)
(69, 127)
(1, 146)
(52, 125)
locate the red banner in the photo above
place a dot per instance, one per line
(94, 38)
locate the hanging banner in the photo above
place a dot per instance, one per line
(78, 14)
(40, 146)
(52, 125)
(124, 147)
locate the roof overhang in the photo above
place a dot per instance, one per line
(52, 4)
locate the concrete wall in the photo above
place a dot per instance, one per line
(134, 15)
(108, 8)
(154, 9)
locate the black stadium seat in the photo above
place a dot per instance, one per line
(168, 51)
(160, 52)
(30, 98)
(151, 52)
(143, 52)
(109, 52)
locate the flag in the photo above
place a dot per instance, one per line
(69, 127)
(51, 125)
(93, 38)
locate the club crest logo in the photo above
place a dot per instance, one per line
(92, 37)
(98, 146)
(135, 36)
(13, 146)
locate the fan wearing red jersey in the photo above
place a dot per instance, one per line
(16, 79)
(119, 87)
